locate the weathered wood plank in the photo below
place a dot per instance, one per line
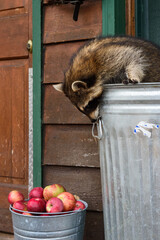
(84, 182)
(13, 141)
(14, 36)
(8, 4)
(5, 122)
(19, 181)
(59, 25)
(56, 60)
(94, 227)
(70, 146)
(6, 222)
(57, 108)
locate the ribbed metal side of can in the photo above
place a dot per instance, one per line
(130, 163)
(69, 226)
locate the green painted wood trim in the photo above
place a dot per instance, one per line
(36, 23)
(141, 19)
(113, 17)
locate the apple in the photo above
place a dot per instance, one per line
(68, 200)
(44, 201)
(27, 213)
(36, 205)
(36, 192)
(77, 197)
(15, 196)
(79, 205)
(19, 205)
(54, 205)
(52, 191)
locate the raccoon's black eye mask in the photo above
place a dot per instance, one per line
(92, 105)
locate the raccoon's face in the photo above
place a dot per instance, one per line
(82, 84)
(83, 97)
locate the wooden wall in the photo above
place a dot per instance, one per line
(70, 153)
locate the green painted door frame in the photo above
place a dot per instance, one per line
(148, 19)
(113, 17)
(37, 119)
(113, 23)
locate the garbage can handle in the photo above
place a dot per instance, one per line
(98, 124)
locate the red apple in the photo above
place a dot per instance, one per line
(15, 196)
(68, 200)
(27, 213)
(36, 192)
(52, 191)
(79, 205)
(44, 201)
(36, 205)
(19, 206)
(54, 205)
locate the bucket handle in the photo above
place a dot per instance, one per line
(97, 124)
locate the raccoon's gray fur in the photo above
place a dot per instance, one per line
(108, 60)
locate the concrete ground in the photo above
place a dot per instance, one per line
(4, 236)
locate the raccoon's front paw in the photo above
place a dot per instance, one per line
(127, 81)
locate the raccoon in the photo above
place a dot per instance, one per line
(108, 60)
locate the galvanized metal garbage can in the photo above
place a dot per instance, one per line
(65, 226)
(130, 161)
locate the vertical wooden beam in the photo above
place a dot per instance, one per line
(113, 17)
(36, 21)
(130, 17)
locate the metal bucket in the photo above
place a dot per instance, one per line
(69, 226)
(130, 161)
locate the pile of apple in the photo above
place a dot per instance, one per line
(51, 199)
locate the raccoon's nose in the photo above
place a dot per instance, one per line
(93, 120)
(94, 115)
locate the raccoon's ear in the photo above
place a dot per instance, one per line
(58, 87)
(77, 85)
